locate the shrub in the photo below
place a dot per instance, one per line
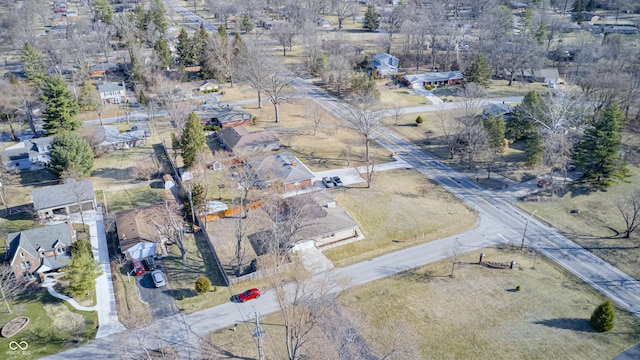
(182, 297)
(222, 92)
(255, 120)
(518, 288)
(419, 120)
(202, 284)
(603, 317)
(429, 87)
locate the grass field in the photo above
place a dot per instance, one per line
(402, 209)
(134, 197)
(598, 226)
(52, 326)
(425, 314)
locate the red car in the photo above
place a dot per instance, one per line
(544, 183)
(137, 266)
(249, 294)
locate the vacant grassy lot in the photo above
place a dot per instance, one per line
(402, 209)
(53, 324)
(478, 314)
(547, 319)
(598, 227)
(134, 197)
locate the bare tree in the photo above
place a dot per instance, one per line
(168, 220)
(284, 33)
(315, 114)
(171, 98)
(10, 287)
(224, 53)
(454, 254)
(518, 53)
(451, 129)
(365, 117)
(8, 179)
(277, 85)
(367, 172)
(289, 217)
(397, 111)
(343, 10)
(254, 70)
(629, 208)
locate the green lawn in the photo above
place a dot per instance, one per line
(53, 324)
(132, 198)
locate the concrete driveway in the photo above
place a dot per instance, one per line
(159, 299)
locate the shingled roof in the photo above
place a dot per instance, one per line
(43, 238)
(285, 167)
(238, 137)
(62, 195)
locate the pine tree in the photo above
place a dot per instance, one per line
(142, 98)
(163, 53)
(603, 317)
(193, 140)
(533, 150)
(246, 24)
(598, 154)
(71, 153)
(198, 197)
(203, 284)
(478, 71)
(494, 125)
(200, 39)
(541, 33)
(156, 15)
(520, 125)
(185, 49)
(102, 11)
(62, 107)
(88, 96)
(34, 67)
(590, 5)
(81, 272)
(371, 18)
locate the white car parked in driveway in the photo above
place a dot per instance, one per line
(158, 278)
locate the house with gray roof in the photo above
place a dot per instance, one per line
(538, 75)
(504, 110)
(285, 168)
(243, 143)
(31, 154)
(225, 116)
(38, 254)
(433, 78)
(112, 93)
(109, 138)
(60, 201)
(384, 64)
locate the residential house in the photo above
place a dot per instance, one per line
(540, 75)
(498, 109)
(38, 254)
(285, 168)
(433, 78)
(267, 23)
(141, 233)
(384, 64)
(32, 154)
(64, 200)
(225, 116)
(242, 142)
(620, 29)
(326, 224)
(324, 22)
(112, 93)
(109, 138)
(102, 69)
(209, 87)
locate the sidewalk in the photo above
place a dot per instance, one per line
(68, 299)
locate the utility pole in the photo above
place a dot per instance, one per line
(258, 333)
(525, 229)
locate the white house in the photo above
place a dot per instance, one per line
(32, 154)
(112, 93)
(385, 64)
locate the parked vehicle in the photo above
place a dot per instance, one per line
(158, 278)
(249, 294)
(137, 267)
(544, 183)
(328, 182)
(337, 181)
(149, 264)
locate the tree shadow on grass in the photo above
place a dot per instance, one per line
(576, 324)
(179, 293)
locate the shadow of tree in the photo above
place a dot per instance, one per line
(576, 324)
(186, 292)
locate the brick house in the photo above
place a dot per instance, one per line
(243, 143)
(38, 254)
(112, 93)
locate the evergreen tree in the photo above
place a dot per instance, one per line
(371, 18)
(203, 284)
(598, 153)
(71, 153)
(533, 150)
(81, 272)
(246, 24)
(494, 125)
(102, 11)
(62, 107)
(578, 8)
(88, 96)
(185, 49)
(364, 86)
(541, 33)
(520, 125)
(200, 39)
(603, 317)
(198, 198)
(590, 5)
(142, 98)
(163, 53)
(156, 15)
(193, 140)
(478, 71)
(34, 67)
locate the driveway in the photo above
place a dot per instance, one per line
(159, 299)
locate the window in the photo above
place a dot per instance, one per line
(60, 250)
(21, 254)
(29, 276)
(25, 264)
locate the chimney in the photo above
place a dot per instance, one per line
(294, 163)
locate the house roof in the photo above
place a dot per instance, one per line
(44, 238)
(238, 137)
(63, 194)
(139, 225)
(434, 76)
(111, 135)
(285, 167)
(107, 86)
(26, 149)
(539, 73)
(384, 61)
(225, 114)
(496, 109)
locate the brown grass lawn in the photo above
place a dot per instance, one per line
(392, 96)
(599, 226)
(497, 89)
(131, 311)
(476, 315)
(402, 209)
